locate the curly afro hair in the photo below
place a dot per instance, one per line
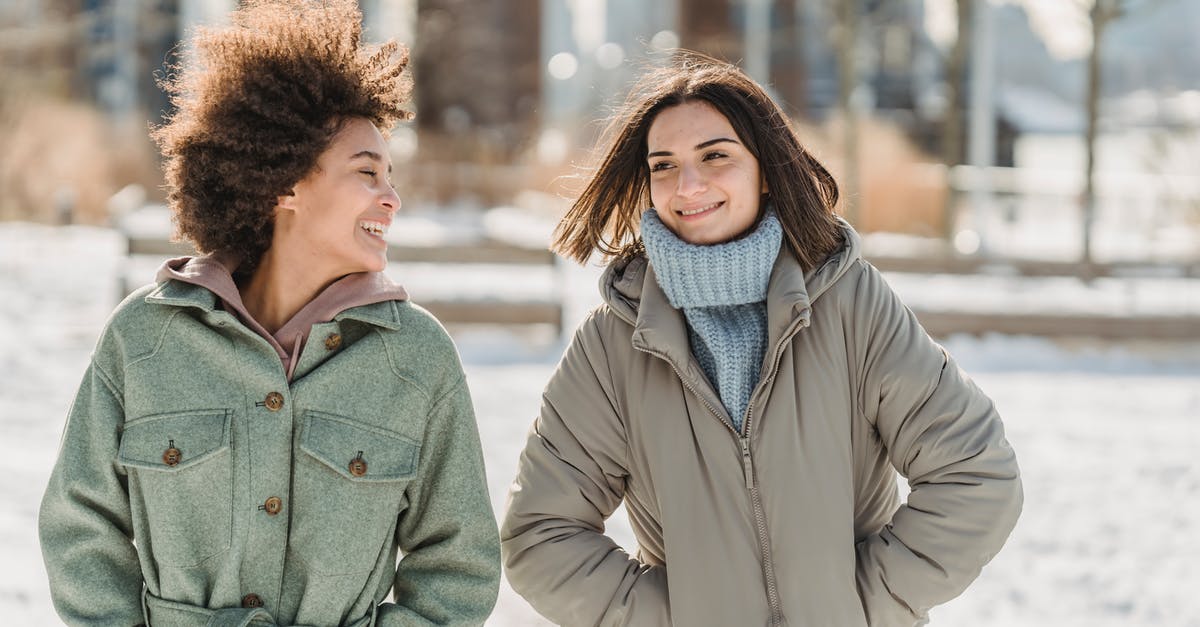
(264, 98)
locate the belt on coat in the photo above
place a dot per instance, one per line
(163, 612)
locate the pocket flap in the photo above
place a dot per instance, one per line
(195, 436)
(336, 442)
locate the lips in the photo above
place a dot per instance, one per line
(376, 228)
(699, 210)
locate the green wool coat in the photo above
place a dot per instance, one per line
(196, 486)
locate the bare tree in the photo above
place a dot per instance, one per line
(704, 26)
(847, 29)
(952, 123)
(788, 71)
(1101, 14)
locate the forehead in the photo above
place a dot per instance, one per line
(356, 136)
(695, 121)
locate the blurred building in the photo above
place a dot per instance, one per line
(479, 77)
(592, 49)
(513, 83)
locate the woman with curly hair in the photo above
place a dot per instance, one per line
(748, 389)
(272, 434)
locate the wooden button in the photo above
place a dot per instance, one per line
(171, 456)
(274, 401)
(273, 505)
(333, 342)
(358, 466)
(252, 600)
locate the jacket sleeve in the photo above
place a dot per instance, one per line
(570, 478)
(85, 525)
(450, 572)
(944, 435)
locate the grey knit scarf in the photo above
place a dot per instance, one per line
(722, 290)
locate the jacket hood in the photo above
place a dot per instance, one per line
(627, 282)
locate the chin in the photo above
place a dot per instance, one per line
(707, 239)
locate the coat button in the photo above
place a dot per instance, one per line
(274, 401)
(252, 600)
(172, 455)
(273, 505)
(358, 466)
(333, 342)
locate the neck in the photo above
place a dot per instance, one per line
(281, 286)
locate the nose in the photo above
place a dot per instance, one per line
(390, 200)
(691, 181)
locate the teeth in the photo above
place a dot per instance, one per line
(700, 210)
(375, 228)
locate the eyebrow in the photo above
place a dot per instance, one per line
(700, 146)
(370, 154)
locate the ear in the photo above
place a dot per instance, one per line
(765, 188)
(287, 202)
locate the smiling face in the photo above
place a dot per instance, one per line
(704, 183)
(339, 213)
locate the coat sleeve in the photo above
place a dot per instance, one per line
(944, 435)
(570, 478)
(85, 525)
(450, 572)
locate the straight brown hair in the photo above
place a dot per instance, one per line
(803, 193)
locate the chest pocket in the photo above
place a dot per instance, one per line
(348, 492)
(181, 477)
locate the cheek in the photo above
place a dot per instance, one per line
(751, 183)
(659, 194)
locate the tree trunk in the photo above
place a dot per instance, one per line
(704, 26)
(1100, 15)
(848, 80)
(952, 123)
(787, 58)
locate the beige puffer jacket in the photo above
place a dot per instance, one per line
(796, 520)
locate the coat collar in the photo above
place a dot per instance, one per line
(631, 290)
(385, 314)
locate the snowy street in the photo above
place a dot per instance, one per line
(1107, 437)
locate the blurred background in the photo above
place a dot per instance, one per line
(1024, 172)
(941, 118)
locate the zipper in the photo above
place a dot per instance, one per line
(747, 463)
(760, 517)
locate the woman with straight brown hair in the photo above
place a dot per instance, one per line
(748, 390)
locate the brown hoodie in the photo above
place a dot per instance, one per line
(215, 273)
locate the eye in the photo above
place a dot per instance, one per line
(660, 166)
(370, 173)
(716, 154)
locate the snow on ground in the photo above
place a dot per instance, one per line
(1106, 434)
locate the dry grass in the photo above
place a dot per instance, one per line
(61, 161)
(900, 189)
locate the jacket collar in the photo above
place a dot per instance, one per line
(174, 293)
(631, 290)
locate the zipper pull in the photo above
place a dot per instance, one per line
(747, 465)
